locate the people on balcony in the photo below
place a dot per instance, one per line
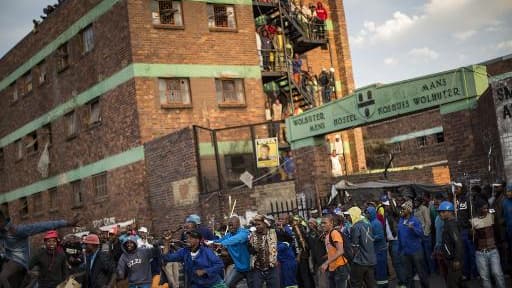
(321, 17)
(296, 69)
(266, 50)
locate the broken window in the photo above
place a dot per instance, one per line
(221, 16)
(94, 112)
(52, 193)
(167, 13)
(23, 207)
(32, 145)
(62, 57)
(230, 91)
(77, 189)
(43, 72)
(99, 182)
(87, 36)
(72, 124)
(174, 91)
(38, 203)
(19, 149)
(440, 137)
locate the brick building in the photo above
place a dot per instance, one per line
(96, 84)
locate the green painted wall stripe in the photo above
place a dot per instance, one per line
(125, 74)
(122, 159)
(415, 134)
(329, 25)
(76, 27)
(196, 70)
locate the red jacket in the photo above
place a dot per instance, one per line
(321, 13)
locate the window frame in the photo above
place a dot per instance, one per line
(422, 141)
(156, 18)
(24, 209)
(28, 84)
(90, 121)
(53, 203)
(77, 188)
(221, 97)
(97, 186)
(440, 137)
(62, 53)
(42, 68)
(210, 12)
(168, 103)
(87, 39)
(37, 203)
(33, 146)
(15, 93)
(19, 149)
(72, 134)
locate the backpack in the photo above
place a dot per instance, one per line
(348, 251)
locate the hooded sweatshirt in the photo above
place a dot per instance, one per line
(136, 264)
(362, 239)
(378, 231)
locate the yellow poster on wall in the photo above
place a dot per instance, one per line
(267, 152)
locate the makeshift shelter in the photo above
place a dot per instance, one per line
(372, 190)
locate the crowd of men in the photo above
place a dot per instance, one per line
(390, 241)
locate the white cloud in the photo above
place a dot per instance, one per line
(505, 45)
(424, 53)
(390, 61)
(357, 40)
(464, 35)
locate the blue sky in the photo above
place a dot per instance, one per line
(390, 40)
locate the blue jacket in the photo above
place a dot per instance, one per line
(507, 214)
(362, 239)
(237, 248)
(206, 260)
(14, 238)
(379, 242)
(409, 240)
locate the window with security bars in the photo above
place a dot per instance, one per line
(230, 91)
(72, 124)
(52, 194)
(421, 141)
(174, 91)
(94, 112)
(221, 16)
(43, 72)
(27, 87)
(77, 188)
(87, 39)
(99, 182)
(167, 13)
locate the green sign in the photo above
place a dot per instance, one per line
(380, 102)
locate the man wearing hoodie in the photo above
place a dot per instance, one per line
(202, 268)
(364, 251)
(410, 235)
(235, 241)
(135, 264)
(379, 244)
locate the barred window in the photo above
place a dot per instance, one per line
(167, 13)
(27, 86)
(174, 91)
(94, 112)
(230, 91)
(422, 141)
(99, 182)
(87, 39)
(43, 72)
(221, 16)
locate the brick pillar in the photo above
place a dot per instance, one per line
(313, 171)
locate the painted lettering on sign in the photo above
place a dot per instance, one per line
(308, 119)
(344, 119)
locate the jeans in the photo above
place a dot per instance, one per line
(469, 267)
(415, 262)
(234, 277)
(381, 270)
(426, 243)
(338, 278)
(270, 277)
(397, 262)
(486, 260)
(360, 274)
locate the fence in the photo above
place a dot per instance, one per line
(298, 206)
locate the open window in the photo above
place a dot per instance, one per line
(174, 92)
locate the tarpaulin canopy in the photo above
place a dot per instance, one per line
(371, 190)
